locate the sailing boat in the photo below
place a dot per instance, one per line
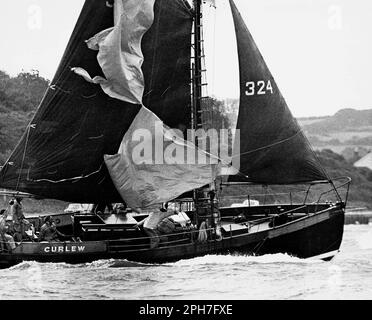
(129, 65)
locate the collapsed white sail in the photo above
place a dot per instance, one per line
(153, 164)
(119, 51)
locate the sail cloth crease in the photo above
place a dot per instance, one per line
(77, 123)
(144, 178)
(119, 51)
(273, 148)
(167, 51)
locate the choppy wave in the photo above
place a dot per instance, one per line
(204, 260)
(33, 264)
(113, 263)
(98, 264)
(24, 265)
(244, 259)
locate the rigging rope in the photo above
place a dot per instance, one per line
(23, 157)
(69, 179)
(270, 145)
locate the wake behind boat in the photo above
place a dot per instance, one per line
(102, 135)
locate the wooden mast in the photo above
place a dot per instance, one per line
(206, 202)
(197, 66)
(196, 119)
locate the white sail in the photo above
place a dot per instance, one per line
(154, 165)
(120, 55)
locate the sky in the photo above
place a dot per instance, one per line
(319, 51)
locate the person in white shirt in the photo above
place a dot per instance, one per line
(150, 224)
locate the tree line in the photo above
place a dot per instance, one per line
(19, 99)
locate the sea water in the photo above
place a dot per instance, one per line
(212, 277)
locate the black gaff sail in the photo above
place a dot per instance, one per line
(61, 153)
(273, 148)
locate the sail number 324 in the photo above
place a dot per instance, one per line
(258, 88)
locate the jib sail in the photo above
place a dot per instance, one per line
(273, 148)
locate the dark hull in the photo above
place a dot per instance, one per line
(316, 235)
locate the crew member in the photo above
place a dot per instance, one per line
(101, 207)
(28, 231)
(120, 208)
(151, 222)
(49, 232)
(6, 239)
(16, 209)
(15, 218)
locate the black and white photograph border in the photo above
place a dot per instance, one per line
(185, 150)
